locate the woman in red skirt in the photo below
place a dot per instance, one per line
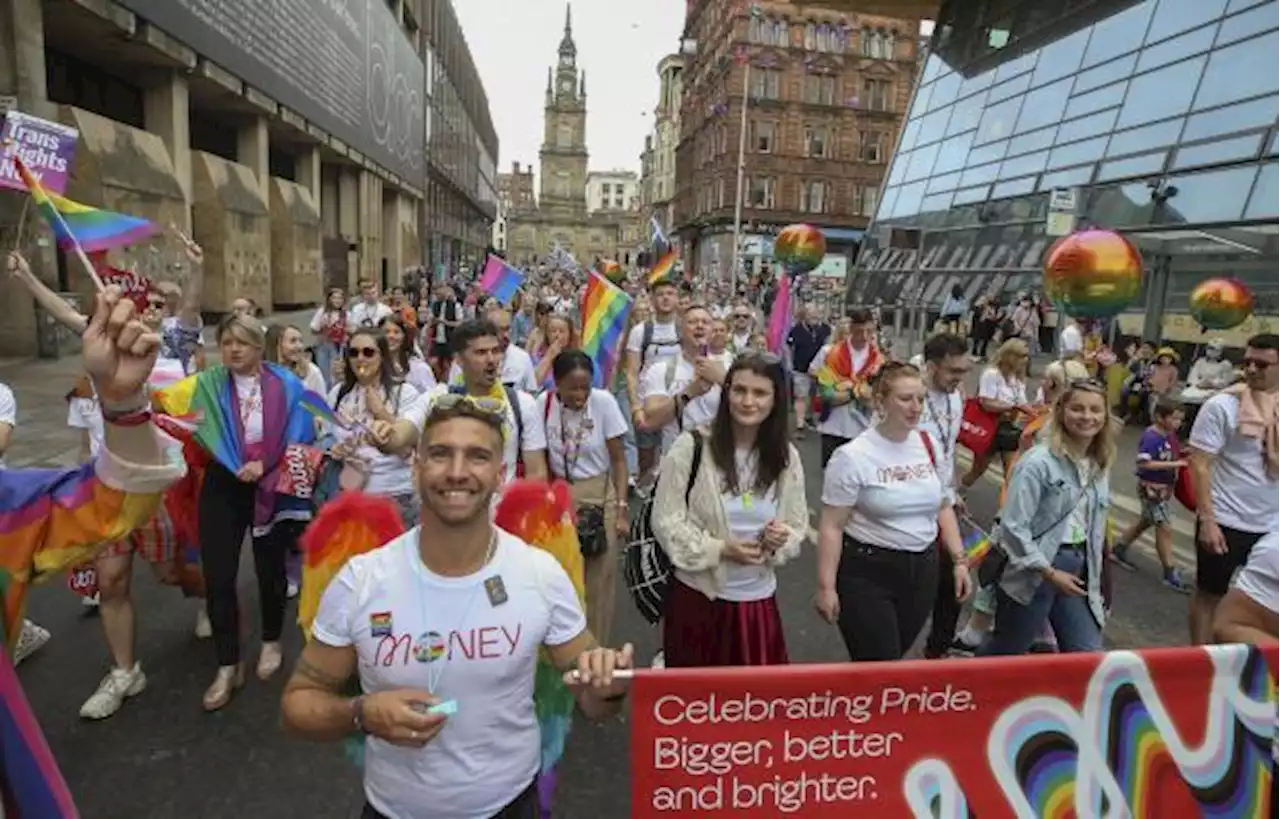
(728, 526)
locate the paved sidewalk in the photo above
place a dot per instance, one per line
(42, 437)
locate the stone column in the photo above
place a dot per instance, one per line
(349, 220)
(252, 146)
(307, 171)
(166, 109)
(22, 83)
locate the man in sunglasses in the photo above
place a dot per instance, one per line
(1234, 465)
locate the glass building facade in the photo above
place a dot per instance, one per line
(1156, 118)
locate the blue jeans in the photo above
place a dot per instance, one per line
(1017, 626)
(326, 352)
(628, 440)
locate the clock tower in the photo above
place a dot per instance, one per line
(563, 157)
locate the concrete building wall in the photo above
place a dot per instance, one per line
(231, 220)
(295, 245)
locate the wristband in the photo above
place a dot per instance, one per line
(357, 715)
(134, 418)
(131, 404)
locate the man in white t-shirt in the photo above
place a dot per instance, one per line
(443, 625)
(1233, 466)
(368, 311)
(8, 418)
(478, 351)
(847, 411)
(684, 392)
(517, 369)
(1071, 343)
(1248, 612)
(648, 342)
(946, 363)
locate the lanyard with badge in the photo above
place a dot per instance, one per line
(432, 647)
(949, 417)
(579, 436)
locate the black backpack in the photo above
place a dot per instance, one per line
(645, 566)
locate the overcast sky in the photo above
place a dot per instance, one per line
(619, 44)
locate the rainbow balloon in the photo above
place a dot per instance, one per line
(1093, 273)
(1221, 303)
(799, 248)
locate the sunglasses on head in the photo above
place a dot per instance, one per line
(1087, 384)
(362, 352)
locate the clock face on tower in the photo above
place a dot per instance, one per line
(566, 85)
(566, 60)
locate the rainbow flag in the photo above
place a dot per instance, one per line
(89, 228)
(780, 317)
(664, 268)
(976, 542)
(30, 782)
(605, 308)
(500, 280)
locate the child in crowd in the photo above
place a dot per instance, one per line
(1163, 381)
(1158, 464)
(1134, 391)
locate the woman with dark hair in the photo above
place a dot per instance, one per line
(728, 525)
(405, 358)
(330, 327)
(372, 393)
(585, 429)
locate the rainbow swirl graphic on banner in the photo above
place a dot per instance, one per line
(1121, 755)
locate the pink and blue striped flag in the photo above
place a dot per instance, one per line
(501, 280)
(604, 321)
(30, 783)
(780, 318)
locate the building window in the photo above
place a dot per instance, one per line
(820, 89)
(757, 29)
(781, 34)
(864, 199)
(824, 37)
(871, 44)
(766, 84)
(759, 193)
(813, 197)
(871, 148)
(720, 192)
(762, 136)
(816, 144)
(810, 37)
(876, 94)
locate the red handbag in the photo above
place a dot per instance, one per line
(1184, 487)
(977, 428)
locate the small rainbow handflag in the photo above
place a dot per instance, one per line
(605, 308)
(664, 268)
(500, 280)
(976, 544)
(90, 228)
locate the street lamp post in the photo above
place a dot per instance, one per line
(742, 168)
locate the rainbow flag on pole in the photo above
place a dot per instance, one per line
(500, 280)
(605, 308)
(89, 228)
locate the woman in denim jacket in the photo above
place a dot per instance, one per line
(1053, 529)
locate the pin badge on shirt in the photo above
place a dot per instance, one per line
(497, 591)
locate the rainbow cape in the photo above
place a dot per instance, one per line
(542, 516)
(30, 783)
(76, 225)
(604, 322)
(837, 367)
(203, 401)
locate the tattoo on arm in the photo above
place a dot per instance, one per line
(319, 676)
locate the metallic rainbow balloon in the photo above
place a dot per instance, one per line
(799, 248)
(1093, 273)
(1221, 303)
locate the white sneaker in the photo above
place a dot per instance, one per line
(115, 688)
(30, 640)
(291, 591)
(659, 660)
(204, 629)
(90, 602)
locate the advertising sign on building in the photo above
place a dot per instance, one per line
(1061, 219)
(47, 148)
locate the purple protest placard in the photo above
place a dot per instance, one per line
(46, 147)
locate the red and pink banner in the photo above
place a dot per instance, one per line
(1161, 733)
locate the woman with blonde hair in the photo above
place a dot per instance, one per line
(1002, 392)
(1053, 530)
(284, 346)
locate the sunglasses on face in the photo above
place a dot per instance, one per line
(362, 352)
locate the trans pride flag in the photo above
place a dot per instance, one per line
(605, 308)
(76, 225)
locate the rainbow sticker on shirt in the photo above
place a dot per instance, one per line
(430, 647)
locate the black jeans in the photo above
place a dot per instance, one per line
(524, 806)
(885, 597)
(946, 609)
(226, 512)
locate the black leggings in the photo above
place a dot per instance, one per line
(524, 806)
(885, 598)
(946, 609)
(226, 511)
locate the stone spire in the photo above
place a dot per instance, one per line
(567, 46)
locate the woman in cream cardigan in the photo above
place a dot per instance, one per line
(744, 515)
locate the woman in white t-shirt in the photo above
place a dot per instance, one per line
(884, 510)
(729, 525)
(585, 429)
(405, 357)
(372, 392)
(286, 347)
(1002, 392)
